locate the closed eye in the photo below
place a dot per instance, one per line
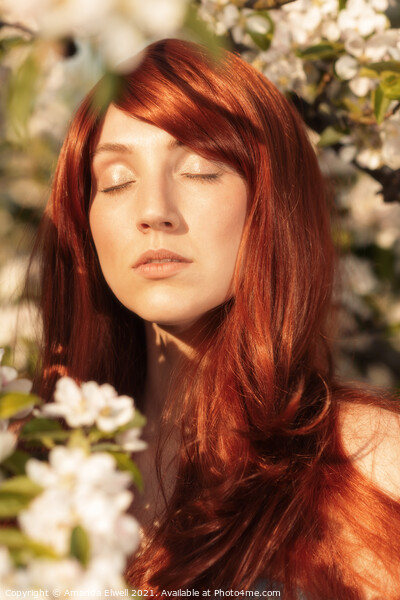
(116, 188)
(203, 177)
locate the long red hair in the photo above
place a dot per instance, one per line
(264, 487)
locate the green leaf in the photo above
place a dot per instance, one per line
(199, 31)
(342, 4)
(79, 545)
(392, 66)
(12, 402)
(20, 485)
(78, 439)
(138, 421)
(39, 549)
(8, 44)
(11, 537)
(41, 426)
(16, 462)
(11, 504)
(14, 539)
(367, 72)
(261, 40)
(390, 86)
(125, 463)
(381, 104)
(22, 94)
(320, 51)
(106, 91)
(329, 137)
(354, 109)
(45, 431)
(46, 437)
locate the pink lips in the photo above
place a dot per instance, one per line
(157, 264)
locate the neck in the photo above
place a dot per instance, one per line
(166, 348)
(165, 351)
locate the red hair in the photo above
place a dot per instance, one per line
(264, 487)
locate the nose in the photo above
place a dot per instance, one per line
(157, 208)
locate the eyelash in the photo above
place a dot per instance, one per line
(116, 188)
(203, 178)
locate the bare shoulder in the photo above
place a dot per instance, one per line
(371, 438)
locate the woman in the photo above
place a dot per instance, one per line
(187, 260)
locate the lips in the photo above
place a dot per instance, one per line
(161, 256)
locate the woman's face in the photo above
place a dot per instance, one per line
(166, 222)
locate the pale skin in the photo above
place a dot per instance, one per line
(149, 193)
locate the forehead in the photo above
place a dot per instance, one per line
(121, 131)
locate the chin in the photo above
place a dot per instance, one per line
(167, 317)
(177, 319)
(179, 323)
(172, 309)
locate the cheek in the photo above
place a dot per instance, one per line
(222, 244)
(109, 247)
(102, 241)
(104, 228)
(226, 228)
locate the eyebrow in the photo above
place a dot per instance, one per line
(127, 148)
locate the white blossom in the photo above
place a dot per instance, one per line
(10, 383)
(348, 153)
(90, 404)
(360, 86)
(369, 157)
(304, 23)
(72, 468)
(121, 57)
(73, 403)
(228, 19)
(360, 52)
(50, 519)
(69, 576)
(17, 317)
(380, 46)
(158, 17)
(130, 440)
(330, 30)
(118, 29)
(346, 67)
(12, 276)
(371, 221)
(113, 411)
(8, 442)
(54, 574)
(390, 135)
(85, 490)
(359, 275)
(58, 19)
(7, 374)
(8, 579)
(220, 15)
(285, 71)
(5, 563)
(103, 573)
(362, 16)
